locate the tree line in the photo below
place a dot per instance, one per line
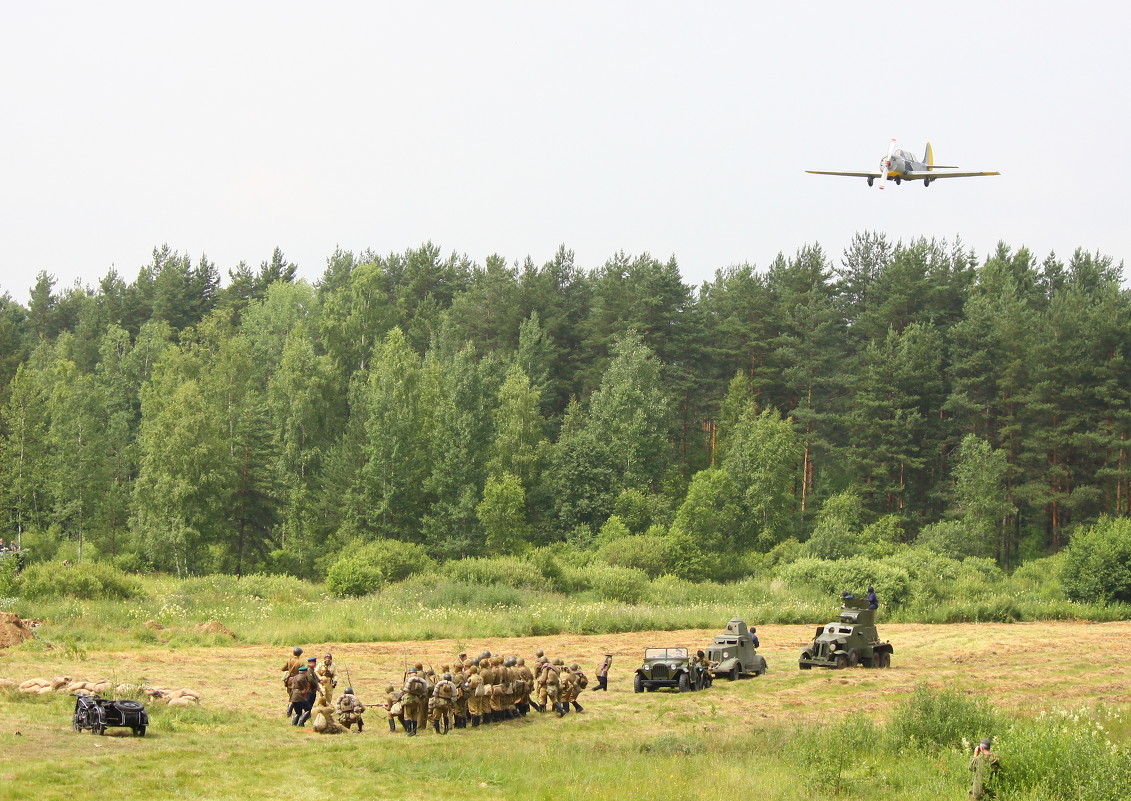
(903, 392)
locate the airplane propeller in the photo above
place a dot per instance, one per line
(885, 165)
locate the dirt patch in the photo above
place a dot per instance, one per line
(215, 627)
(13, 631)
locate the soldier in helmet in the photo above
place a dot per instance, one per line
(565, 686)
(443, 704)
(415, 701)
(549, 680)
(350, 709)
(983, 767)
(290, 669)
(525, 685)
(473, 691)
(578, 682)
(540, 684)
(394, 708)
(487, 674)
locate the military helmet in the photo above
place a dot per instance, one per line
(328, 656)
(473, 670)
(349, 690)
(388, 688)
(559, 662)
(485, 654)
(987, 742)
(297, 651)
(412, 671)
(539, 652)
(419, 666)
(520, 661)
(509, 661)
(447, 677)
(575, 666)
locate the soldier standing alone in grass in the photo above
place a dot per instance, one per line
(983, 768)
(603, 674)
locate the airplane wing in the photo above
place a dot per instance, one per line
(873, 174)
(934, 175)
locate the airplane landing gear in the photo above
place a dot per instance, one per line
(870, 181)
(926, 182)
(898, 181)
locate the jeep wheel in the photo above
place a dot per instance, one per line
(684, 683)
(638, 684)
(841, 662)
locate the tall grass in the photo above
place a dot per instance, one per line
(102, 606)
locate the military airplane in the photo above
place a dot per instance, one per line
(900, 166)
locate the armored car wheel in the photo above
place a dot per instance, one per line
(733, 675)
(882, 659)
(684, 683)
(841, 662)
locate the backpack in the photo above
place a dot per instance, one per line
(580, 679)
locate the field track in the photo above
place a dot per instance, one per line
(1021, 666)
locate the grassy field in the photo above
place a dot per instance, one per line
(778, 736)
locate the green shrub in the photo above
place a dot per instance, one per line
(1097, 563)
(647, 552)
(363, 569)
(1045, 751)
(86, 580)
(892, 583)
(937, 720)
(625, 584)
(9, 578)
(507, 571)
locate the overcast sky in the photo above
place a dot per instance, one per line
(680, 129)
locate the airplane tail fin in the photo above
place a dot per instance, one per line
(929, 157)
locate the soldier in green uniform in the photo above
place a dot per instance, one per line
(394, 708)
(525, 682)
(327, 674)
(350, 710)
(473, 689)
(290, 669)
(414, 701)
(983, 767)
(549, 682)
(443, 704)
(578, 682)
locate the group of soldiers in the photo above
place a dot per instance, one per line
(476, 691)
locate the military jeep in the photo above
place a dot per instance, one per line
(732, 653)
(670, 667)
(849, 641)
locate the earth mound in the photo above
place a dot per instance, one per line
(12, 630)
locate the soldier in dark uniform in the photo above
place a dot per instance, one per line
(603, 674)
(873, 601)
